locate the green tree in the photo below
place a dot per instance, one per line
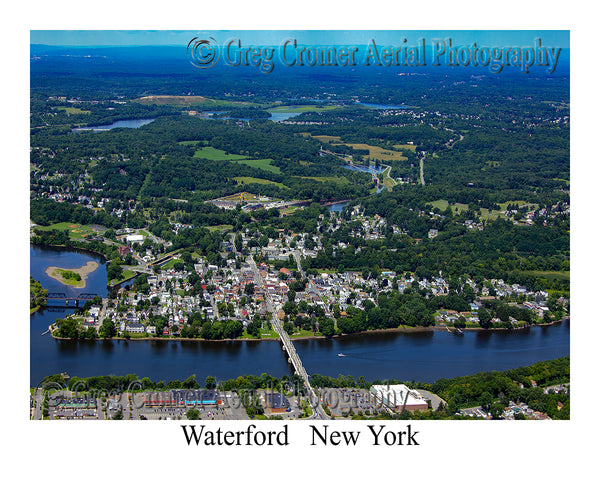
(107, 329)
(192, 414)
(114, 271)
(496, 410)
(485, 318)
(249, 289)
(210, 383)
(68, 328)
(253, 328)
(326, 327)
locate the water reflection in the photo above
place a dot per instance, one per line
(424, 356)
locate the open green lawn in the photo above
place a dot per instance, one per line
(262, 181)
(73, 110)
(127, 274)
(187, 101)
(76, 231)
(550, 274)
(263, 164)
(305, 333)
(192, 142)
(406, 146)
(210, 153)
(339, 180)
(264, 333)
(220, 228)
(443, 204)
(485, 213)
(302, 108)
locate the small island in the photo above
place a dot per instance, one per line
(73, 277)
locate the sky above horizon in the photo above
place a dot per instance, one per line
(554, 38)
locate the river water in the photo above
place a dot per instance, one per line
(416, 356)
(132, 123)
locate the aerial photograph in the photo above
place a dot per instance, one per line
(299, 225)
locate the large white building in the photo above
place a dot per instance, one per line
(398, 397)
(135, 238)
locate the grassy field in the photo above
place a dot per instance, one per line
(262, 181)
(378, 153)
(210, 153)
(66, 277)
(76, 231)
(326, 138)
(239, 197)
(186, 101)
(405, 146)
(485, 213)
(388, 182)
(192, 142)
(550, 275)
(73, 110)
(264, 333)
(127, 274)
(338, 180)
(220, 228)
(302, 108)
(375, 153)
(263, 164)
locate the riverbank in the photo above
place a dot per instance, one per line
(443, 328)
(401, 329)
(53, 328)
(57, 273)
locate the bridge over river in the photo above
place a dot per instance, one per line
(288, 346)
(63, 297)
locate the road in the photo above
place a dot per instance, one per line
(422, 177)
(287, 343)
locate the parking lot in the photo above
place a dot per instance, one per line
(351, 402)
(224, 408)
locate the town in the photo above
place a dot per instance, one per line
(172, 295)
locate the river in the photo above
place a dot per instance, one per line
(133, 123)
(422, 356)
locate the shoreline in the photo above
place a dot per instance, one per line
(83, 271)
(53, 328)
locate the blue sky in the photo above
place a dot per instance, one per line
(560, 38)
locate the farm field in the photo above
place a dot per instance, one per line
(211, 153)
(262, 181)
(340, 180)
(375, 153)
(73, 110)
(263, 164)
(302, 108)
(406, 146)
(186, 101)
(378, 153)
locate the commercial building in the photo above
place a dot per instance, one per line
(277, 403)
(135, 238)
(398, 397)
(179, 398)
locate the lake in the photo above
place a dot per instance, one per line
(282, 116)
(423, 356)
(134, 123)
